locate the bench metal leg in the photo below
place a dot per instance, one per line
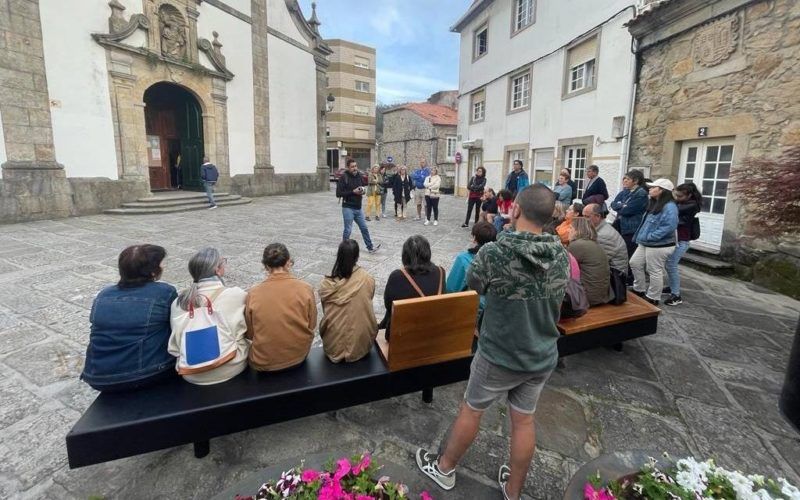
(201, 448)
(427, 394)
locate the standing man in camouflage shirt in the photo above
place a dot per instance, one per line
(523, 276)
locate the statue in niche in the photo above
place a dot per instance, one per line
(173, 33)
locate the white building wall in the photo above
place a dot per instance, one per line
(236, 38)
(242, 6)
(3, 157)
(550, 117)
(292, 108)
(77, 81)
(280, 19)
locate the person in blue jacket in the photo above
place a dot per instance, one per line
(482, 233)
(517, 180)
(630, 205)
(209, 175)
(418, 177)
(656, 241)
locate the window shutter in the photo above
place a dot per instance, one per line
(583, 52)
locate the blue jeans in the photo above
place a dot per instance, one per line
(672, 267)
(355, 214)
(209, 185)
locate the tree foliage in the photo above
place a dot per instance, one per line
(770, 191)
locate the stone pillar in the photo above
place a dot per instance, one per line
(221, 156)
(34, 186)
(323, 171)
(260, 83)
(128, 117)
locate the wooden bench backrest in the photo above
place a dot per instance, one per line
(428, 330)
(606, 315)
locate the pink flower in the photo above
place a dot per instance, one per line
(362, 465)
(331, 491)
(590, 493)
(310, 475)
(425, 496)
(343, 468)
(364, 497)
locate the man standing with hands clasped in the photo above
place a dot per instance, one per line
(350, 189)
(523, 276)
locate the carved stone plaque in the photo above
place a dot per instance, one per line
(716, 41)
(173, 32)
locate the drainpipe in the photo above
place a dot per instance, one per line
(626, 147)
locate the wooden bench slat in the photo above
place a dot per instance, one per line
(608, 315)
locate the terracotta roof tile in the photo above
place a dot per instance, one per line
(434, 113)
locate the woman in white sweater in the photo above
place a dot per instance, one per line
(432, 184)
(208, 325)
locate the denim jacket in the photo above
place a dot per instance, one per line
(630, 207)
(658, 230)
(129, 335)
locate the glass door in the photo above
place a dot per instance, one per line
(708, 165)
(575, 162)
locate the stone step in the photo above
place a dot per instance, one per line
(707, 263)
(178, 195)
(155, 209)
(163, 202)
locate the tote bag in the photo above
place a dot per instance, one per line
(206, 342)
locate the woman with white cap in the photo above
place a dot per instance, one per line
(656, 240)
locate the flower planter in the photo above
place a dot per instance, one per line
(790, 397)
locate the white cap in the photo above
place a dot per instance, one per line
(662, 183)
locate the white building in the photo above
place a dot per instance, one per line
(549, 83)
(100, 98)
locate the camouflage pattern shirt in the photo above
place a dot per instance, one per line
(523, 277)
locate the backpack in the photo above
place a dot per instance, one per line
(203, 343)
(694, 232)
(575, 303)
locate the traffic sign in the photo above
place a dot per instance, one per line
(458, 156)
(389, 159)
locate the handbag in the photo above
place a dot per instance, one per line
(203, 348)
(695, 229)
(618, 286)
(575, 303)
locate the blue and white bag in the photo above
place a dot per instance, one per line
(204, 344)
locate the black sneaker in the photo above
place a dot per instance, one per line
(374, 249)
(428, 463)
(648, 299)
(465, 225)
(666, 289)
(673, 300)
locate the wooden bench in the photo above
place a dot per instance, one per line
(608, 326)
(177, 412)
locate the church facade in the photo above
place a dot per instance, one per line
(103, 102)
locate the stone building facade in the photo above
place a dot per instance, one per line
(103, 105)
(351, 125)
(415, 131)
(718, 81)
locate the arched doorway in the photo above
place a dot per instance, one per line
(174, 124)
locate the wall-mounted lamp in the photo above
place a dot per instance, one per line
(328, 105)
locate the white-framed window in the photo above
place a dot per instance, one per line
(480, 42)
(452, 144)
(362, 86)
(361, 62)
(360, 109)
(543, 162)
(523, 14)
(512, 156)
(478, 106)
(581, 67)
(575, 162)
(520, 91)
(361, 133)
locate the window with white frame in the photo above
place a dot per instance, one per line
(575, 162)
(523, 14)
(543, 161)
(481, 42)
(520, 91)
(362, 86)
(478, 106)
(360, 109)
(581, 66)
(361, 62)
(452, 144)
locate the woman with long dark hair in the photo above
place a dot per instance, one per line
(348, 324)
(419, 277)
(401, 189)
(130, 325)
(689, 201)
(656, 241)
(195, 364)
(475, 187)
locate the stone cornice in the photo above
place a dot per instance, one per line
(230, 10)
(134, 23)
(149, 55)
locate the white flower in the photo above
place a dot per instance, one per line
(693, 475)
(788, 489)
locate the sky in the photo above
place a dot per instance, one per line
(417, 54)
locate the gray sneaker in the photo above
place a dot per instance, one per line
(502, 478)
(428, 463)
(374, 249)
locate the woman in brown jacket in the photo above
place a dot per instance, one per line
(348, 325)
(281, 314)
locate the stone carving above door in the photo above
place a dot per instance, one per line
(173, 32)
(118, 27)
(716, 41)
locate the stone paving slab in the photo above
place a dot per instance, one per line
(707, 383)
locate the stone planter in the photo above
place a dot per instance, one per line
(790, 397)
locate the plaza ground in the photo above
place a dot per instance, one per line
(706, 384)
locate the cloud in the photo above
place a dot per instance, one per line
(414, 79)
(390, 95)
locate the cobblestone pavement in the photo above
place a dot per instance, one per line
(707, 383)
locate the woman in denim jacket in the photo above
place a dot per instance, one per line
(630, 205)
(656, 240)
(130, 325)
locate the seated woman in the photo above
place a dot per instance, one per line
(488, 205)
(505, 201)
(594, 270)
(563, 190)
(348, 324)
(130, 325)
(482, 233)
(418, 277)
(559, 214)
(574, 210)
(281, 314)
(227, 355)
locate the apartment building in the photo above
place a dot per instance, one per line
(351, 125)
(543, 85)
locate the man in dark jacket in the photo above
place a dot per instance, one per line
(350, 189)
(517, 180)
(209, 175)
(596, 191)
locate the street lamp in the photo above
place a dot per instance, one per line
(328, 104)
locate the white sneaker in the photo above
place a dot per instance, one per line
(436, 223)
(429, 465)
(426, 223)
(417, 218)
